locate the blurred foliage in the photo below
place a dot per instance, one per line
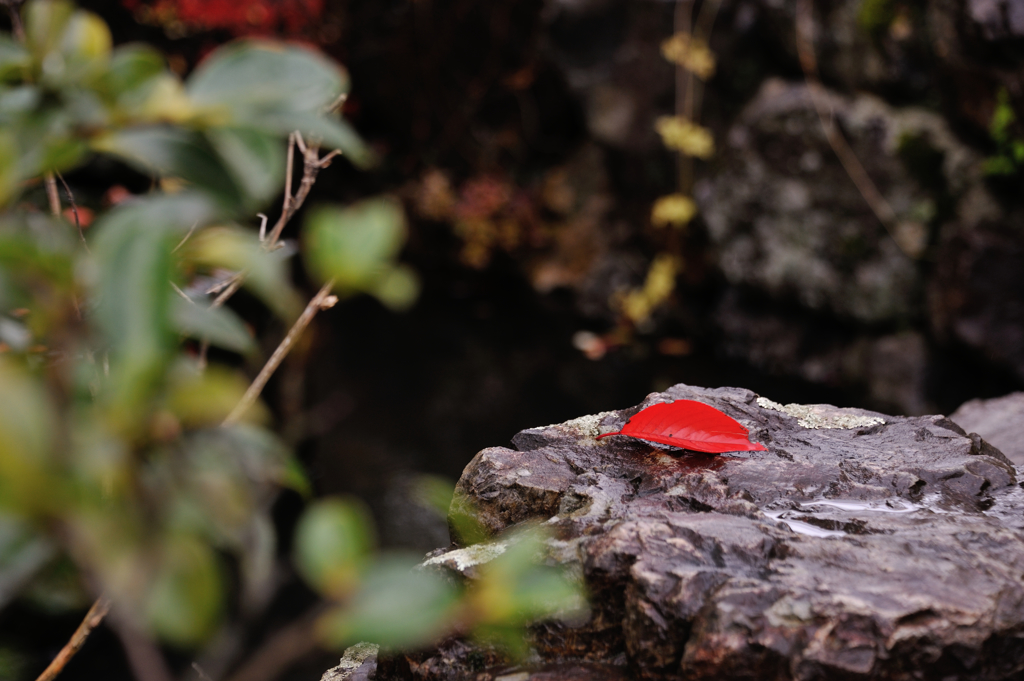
(117, 475)
(1009, 156)
(691, 54)
(179, 17)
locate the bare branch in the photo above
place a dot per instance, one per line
(321, 301)
(288, 645)
(182, 293)
(16, 25)
(865, 185)
(144, 658)
(51, 194)
(92, 620)
(74, 209)
(187, 236)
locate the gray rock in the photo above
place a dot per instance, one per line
(859, 546)
(787, 219)
(357, 664)
(1000, 421)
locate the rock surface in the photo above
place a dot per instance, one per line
(1000, 421)
(859, 546)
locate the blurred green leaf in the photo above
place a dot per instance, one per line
(277, 88)
(175, 152)
(516, 589)
(326, 130)
(57, 588)
(295, 479)
(132, 273)
(23, 552)
(356, 247)
(218, 325)
(255, 75)
(204, 397)
(85, 47)
(398, 288)
(27, 427)
(239, 250)
(397, 606)
(130, 67)
(463, 524)
(331, 543)
(14, 58)
(434, 492)
(45, 21)
(18, 101)
(185, 599)
(8, 168)
(254, 159)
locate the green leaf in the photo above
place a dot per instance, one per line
(398, 288)
(264, 75)
(241, 251)
(185, 600)
(131, 66)
(331, 543)
(45, 21)
(22, 554)
(324, 129)
(515, 589)
(132, 270)
(14, 58)
(355, 246)
(218, 325)
(175, 152)
(27, 425)
(278, 88)
(255, 160)
(8, 168)
(85, 47)
(200, 398)
(397, 606)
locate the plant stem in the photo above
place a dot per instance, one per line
(92, 620)
(321, 301)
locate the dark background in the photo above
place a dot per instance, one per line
(522, 99)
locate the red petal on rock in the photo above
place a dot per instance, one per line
(689, 425)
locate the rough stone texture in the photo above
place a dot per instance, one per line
(357, 664)
(864, 547)
(787, 219)
(1000, 421)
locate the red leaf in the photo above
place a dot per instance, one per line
(689, 425)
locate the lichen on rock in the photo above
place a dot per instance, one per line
(822, 415)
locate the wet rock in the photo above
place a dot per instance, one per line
(1000, 421)
(859, 546)
(787, 219)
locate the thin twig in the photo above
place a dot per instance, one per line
(321, 301)
(92, 620)
(311, 166)
(200, 673)
(16, 25)
(285, 647)
(187, 236)
(182, 293)
(74, 210)
(52, 195)
(865, 185)
(144, 658)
